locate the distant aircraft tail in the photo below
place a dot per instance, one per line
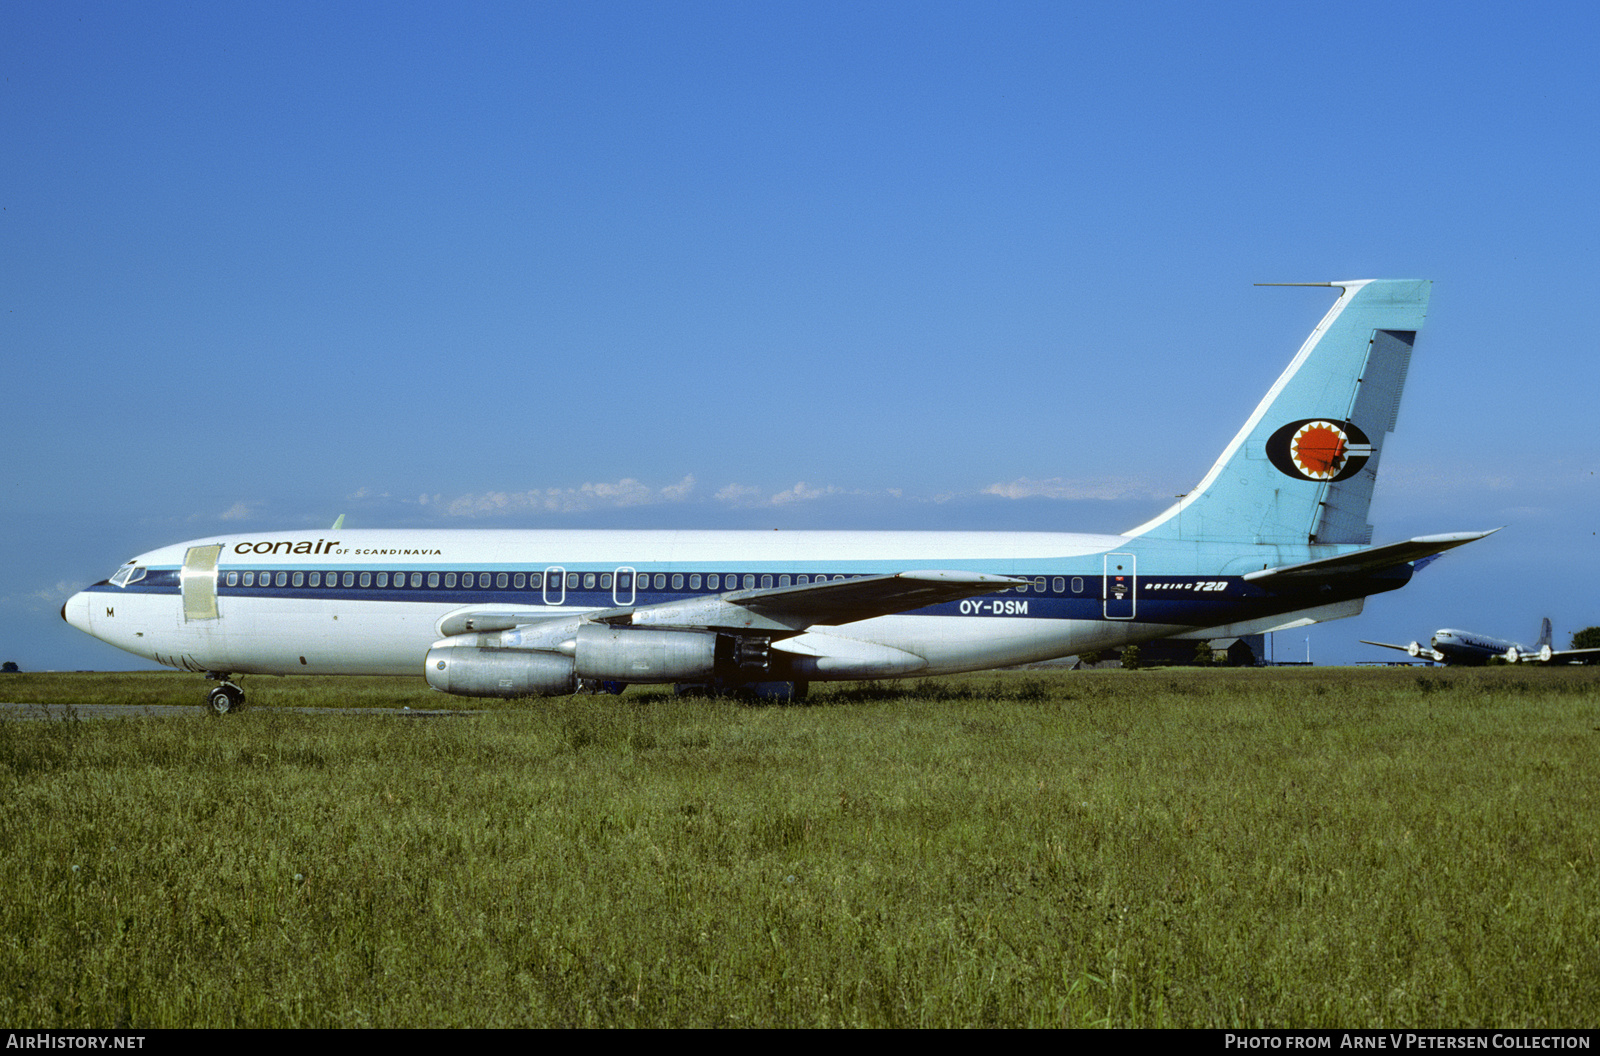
(1301, 470)
(1544, 635)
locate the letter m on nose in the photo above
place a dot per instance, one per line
(110, 611)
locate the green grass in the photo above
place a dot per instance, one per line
(1359, 848)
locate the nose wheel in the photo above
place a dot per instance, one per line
(225, 699)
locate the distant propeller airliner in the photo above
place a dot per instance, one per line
(1449, 646)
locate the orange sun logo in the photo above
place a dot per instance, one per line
(1319, 448)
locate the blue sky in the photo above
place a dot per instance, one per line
(858, 265)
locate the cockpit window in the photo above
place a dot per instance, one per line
(128, 574)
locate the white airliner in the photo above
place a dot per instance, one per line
(1449, 646)
(1274, 537)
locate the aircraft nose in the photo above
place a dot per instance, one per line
(76, 611)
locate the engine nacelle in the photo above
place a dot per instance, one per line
(623, 654)
(469, 671)
(499, 665)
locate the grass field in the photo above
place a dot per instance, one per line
(1323, 847)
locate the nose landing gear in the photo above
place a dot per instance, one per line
(226, 698)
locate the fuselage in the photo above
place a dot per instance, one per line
(373, 601)
(1466, 647)
(1274, 536)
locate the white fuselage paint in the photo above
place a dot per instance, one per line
(338, 631)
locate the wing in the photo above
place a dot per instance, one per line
(781, 611)
(1548, 655)
(1387, 645)
(793, 609)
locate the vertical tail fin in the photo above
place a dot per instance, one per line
(1302, 468)
(1544, 634)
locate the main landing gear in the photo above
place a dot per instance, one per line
(226, 698)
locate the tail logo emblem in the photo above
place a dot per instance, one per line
(1319, 449)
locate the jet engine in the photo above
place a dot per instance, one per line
(497, 665)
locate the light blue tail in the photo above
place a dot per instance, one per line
(1301, 470)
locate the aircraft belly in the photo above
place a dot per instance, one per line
(335, 637)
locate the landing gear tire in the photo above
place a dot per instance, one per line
(225, 699)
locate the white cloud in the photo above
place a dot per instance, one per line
(1059, 488)
(237, 512)
(746, 496)
(803, 492)
(57, 594)
(591, 496)
(740, 495)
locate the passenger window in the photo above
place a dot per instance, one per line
(605, 581)
(383, 579)
(802, 580)
(520, 580)
(366, 579)
(316, 579)
(416, 579)
(624, 580)
(1038, 584)
(349, 579)
(572, 581)
(283, 579)
(536, 580)
(783, 581)
(694, 582)
(677, 581)
(661, 581)
(249, 579)
(299, 578)
(749, 581)
(450, 579)
(233, 579)
(1059, 585)
(713, 582)
(766, 582)
(1077, 585)
(502, 580)
(588, 581)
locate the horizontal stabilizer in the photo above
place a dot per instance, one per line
(1364, 562)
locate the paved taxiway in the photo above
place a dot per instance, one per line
(13, 712)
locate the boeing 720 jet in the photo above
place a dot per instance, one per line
(1274, 537)
(1449, 646)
